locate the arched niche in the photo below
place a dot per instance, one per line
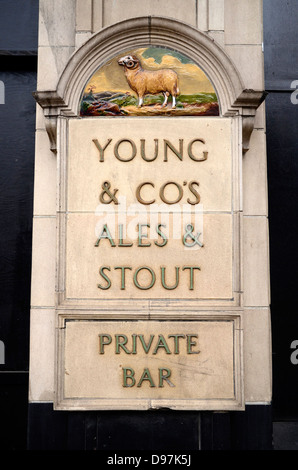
(234, 99)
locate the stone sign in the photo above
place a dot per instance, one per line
(148, 364)
(161, 228)
(149, 244)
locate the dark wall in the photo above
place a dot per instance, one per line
(18, 26)
(281, 69)
(18, 64)
(154, 431)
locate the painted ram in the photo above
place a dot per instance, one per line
(151, 82)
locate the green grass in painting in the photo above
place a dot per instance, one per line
(115, 103)
(198, 98)
(124, 100)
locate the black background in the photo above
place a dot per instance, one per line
(18, 66)
(281, 69)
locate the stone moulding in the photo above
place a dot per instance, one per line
(83, 403)
(234, 99)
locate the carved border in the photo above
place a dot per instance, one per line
(236, 404)
(235, 102)
(150, 30)
(140, 307)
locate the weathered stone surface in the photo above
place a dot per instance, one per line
(45, 169)
(84, 15)
(257, 355)
(247, 58)
(87, 173)
(243, 21)
(56, 23)
(43, 262)
(151, 365)
(84, 260)
(133, 8)
(216, 18)
(256, 262)
(255, 200)
(42, 355)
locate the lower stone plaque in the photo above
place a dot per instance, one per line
(150, 364)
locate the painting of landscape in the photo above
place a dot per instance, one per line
(148, 82)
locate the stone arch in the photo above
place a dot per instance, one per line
(145, 31)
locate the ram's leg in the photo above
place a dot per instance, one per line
(166, 94)
(140, 101)
(165, 100)
(173, 101)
